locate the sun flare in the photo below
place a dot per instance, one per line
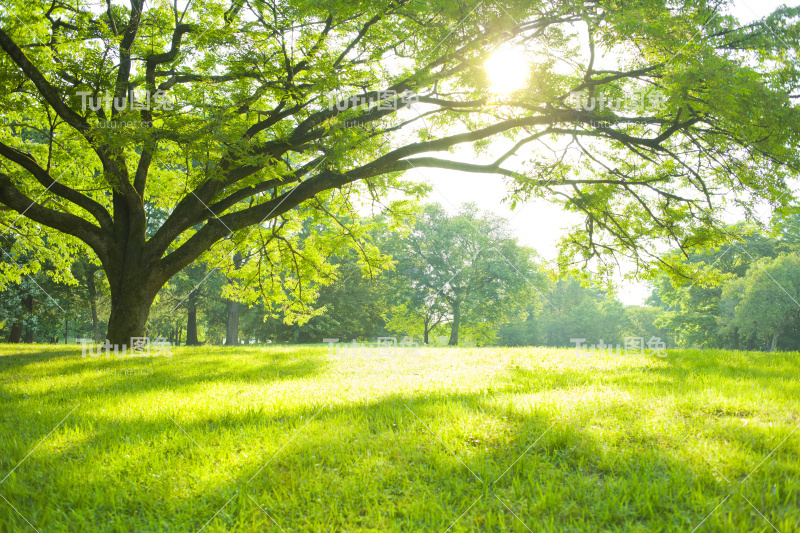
(507, 69)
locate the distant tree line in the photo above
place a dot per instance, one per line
(445, 279)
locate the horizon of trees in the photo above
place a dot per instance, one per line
(449, 279)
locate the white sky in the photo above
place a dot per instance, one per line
(539, 224)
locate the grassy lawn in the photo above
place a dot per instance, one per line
(264, 439)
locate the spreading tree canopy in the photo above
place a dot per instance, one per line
(156, 133)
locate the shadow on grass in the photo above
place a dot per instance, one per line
(104, 375)
(406, 462)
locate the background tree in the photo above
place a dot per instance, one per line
(465, 269)
(768, 300)
(351, 308)
(692, 304)
(232, 308)
(86, 274)
(569, 309)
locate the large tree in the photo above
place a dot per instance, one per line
(252, 145)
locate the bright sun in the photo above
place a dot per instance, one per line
(507, 69)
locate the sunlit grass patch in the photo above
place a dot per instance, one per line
(477, 439)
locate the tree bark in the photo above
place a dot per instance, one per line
(425, 334)
(191, 321)
(91, 289)
(774, 341)
(232, 329)
(27, 305)
(130, 307)
(454, 326)
(15, 335)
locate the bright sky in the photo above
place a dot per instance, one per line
(539, 224)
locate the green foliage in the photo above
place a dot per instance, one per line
(464, 270)
(350, 308)
(766, 300)
(572, 309)
(742, 296)
(251, 155)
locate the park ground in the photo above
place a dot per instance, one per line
(469, 439)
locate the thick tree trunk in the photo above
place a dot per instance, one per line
(191, 322)
(232, 329)
(130, 307)
(454, 326)
(426, 332)
(774, 341)
(15, 335)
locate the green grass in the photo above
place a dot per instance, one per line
(471, 439)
